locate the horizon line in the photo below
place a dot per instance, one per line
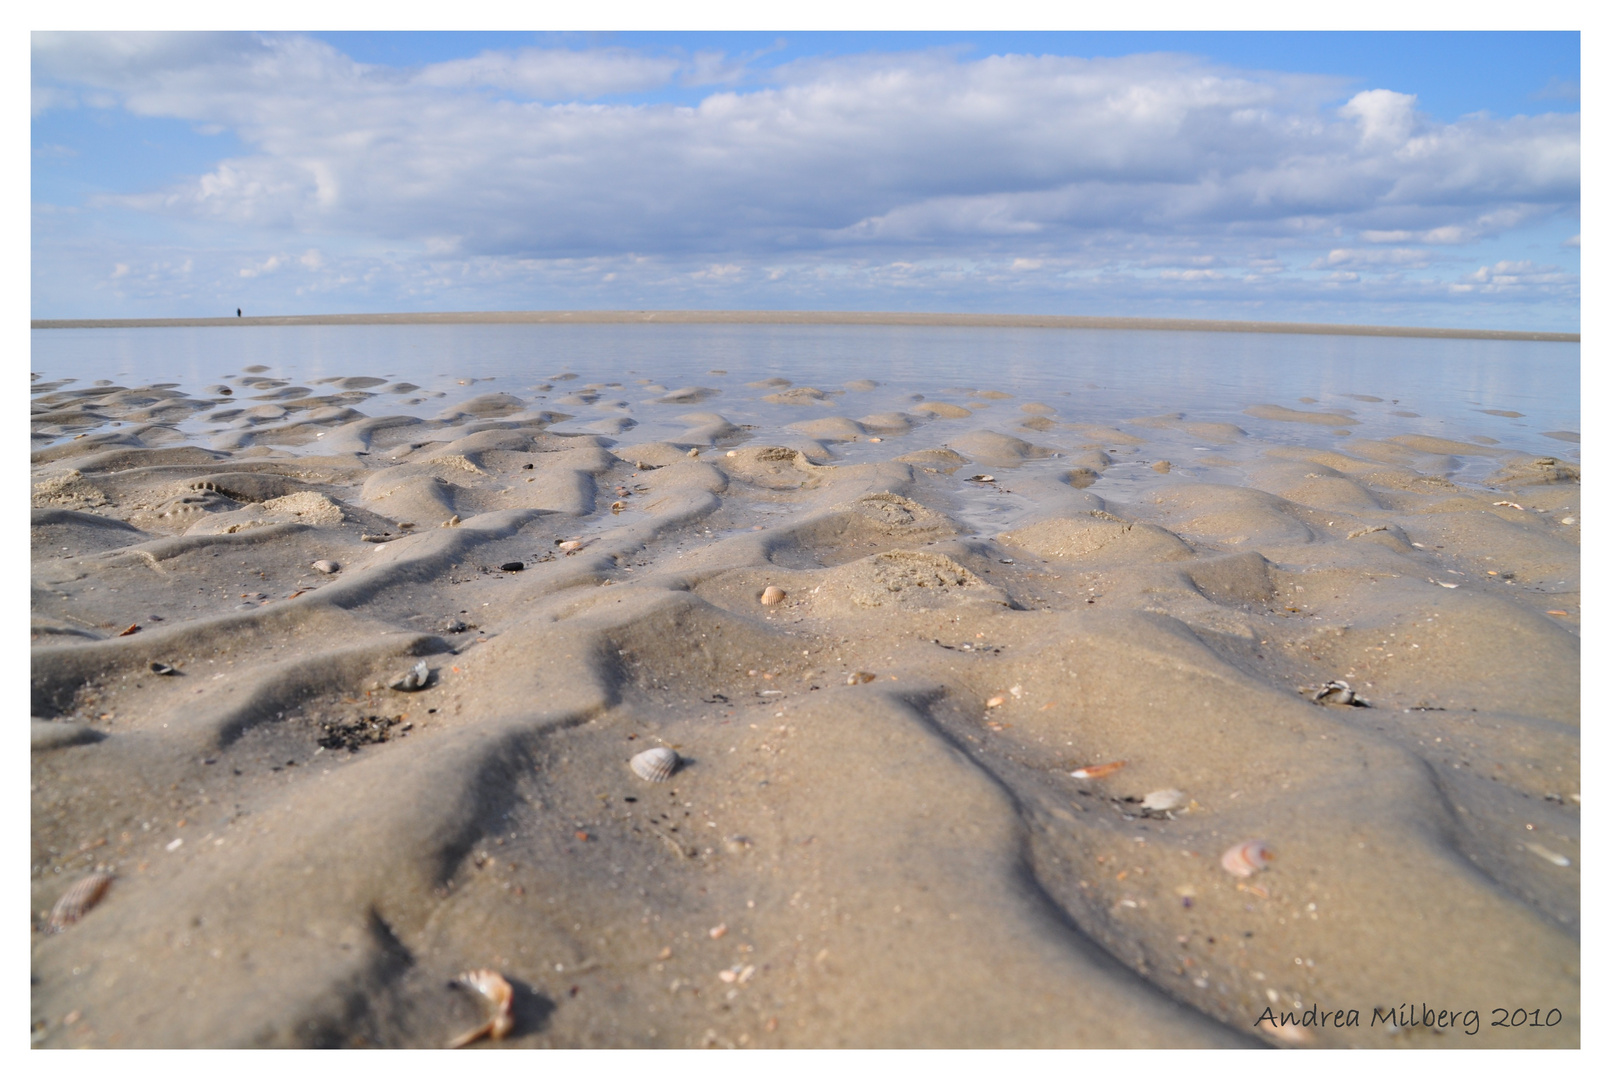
(818, 318)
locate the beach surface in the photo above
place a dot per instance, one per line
(995, 727)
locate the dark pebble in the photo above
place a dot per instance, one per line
(513, 566)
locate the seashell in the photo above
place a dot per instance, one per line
(981, 478)
(77, 901)
(1097, 772)
(1163, 801)
(773, 595)
(413, 679)
(512, 566)
(159, 668)
(995, 702)
(496, 989)
(326, 566)
(568, 546)
(617, 506)
(1247, 858)
(133, 628)
(657, 764)
(1337, 692)
(1549, 856)
(451, 522)
(860, 677)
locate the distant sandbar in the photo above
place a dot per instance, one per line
(819, 318)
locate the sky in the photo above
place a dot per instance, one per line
(1428, 179)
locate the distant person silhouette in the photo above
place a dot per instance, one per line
(237, 313)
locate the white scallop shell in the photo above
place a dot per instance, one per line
(1164, 801)
(1247, 858)
(657, 764)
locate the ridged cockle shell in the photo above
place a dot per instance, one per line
(656, 764)
(76, 901)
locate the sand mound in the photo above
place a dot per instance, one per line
(993, 448)
(1094, 537)
(912, 578)
(943, 409)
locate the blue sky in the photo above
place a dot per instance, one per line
(1416, 179)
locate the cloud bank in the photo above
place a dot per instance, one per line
(876, 180)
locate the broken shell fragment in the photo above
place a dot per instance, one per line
(413, 679)
(995, 702)
(77, 901)
(326, 566)
(860, 677)
(159, 668)
(1337, 692)
(1549, 856)
(1160, 802)
(568, 546)
(496, 989)
(981, 478)
(657, 764)
(1247, 858)
(773, 595)
(451, 522)
(1097, 772)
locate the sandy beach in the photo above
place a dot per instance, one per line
(1273, 729)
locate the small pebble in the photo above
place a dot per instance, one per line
(718, 931)
(568, 546)
(326, 566)
(996, 702)
(451, 522)
(512, 566)
(860, 677)
(1160, 466)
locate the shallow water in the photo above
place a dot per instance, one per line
(1092, 376)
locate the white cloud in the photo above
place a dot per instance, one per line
(907, 162)
(554, 74)
(1371, 259)
(1385, 117)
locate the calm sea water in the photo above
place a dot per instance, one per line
(1097, 376)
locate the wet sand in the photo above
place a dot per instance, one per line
(877, 836)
